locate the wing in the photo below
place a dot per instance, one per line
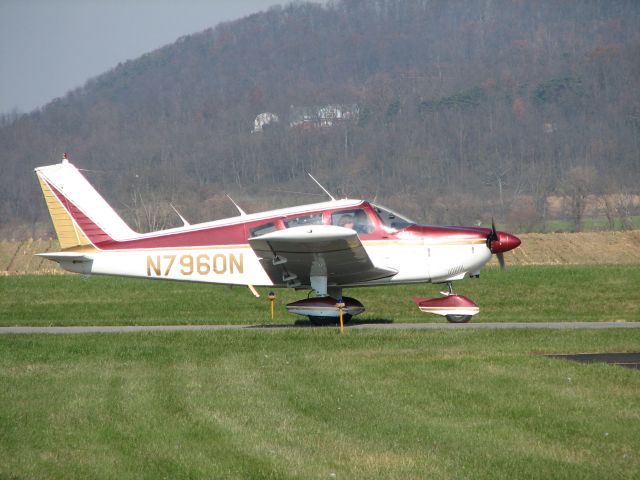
(291, 256)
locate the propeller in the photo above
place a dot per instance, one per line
(493, 237)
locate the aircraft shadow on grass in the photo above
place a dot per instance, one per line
(329, 323)
(354, 321)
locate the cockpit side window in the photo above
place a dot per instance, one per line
(356, 219)
(391, 219)
(312, 219)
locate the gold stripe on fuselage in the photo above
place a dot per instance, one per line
(425, 242)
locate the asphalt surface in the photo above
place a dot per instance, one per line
(357, 326)
(623, 359)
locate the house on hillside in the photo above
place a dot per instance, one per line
(325, 116)
(264, 119)
(303, 117)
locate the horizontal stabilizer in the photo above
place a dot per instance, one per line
(65, 257)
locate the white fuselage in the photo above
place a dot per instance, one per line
(415, 260)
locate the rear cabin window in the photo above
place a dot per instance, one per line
(356, 219)
(262, 229)
(313, 219)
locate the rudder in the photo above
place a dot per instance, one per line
(80, 216)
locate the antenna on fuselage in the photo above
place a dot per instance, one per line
(320, 185)
(184, 221)
(242, 212)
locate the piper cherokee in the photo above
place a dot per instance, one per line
(323, 247)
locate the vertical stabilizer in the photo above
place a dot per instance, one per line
(80, 216)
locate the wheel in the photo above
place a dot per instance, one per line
(320, 321)
(458, 318)
(323, 321)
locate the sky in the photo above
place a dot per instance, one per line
(49, 47)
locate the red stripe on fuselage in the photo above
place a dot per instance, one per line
(207, 237)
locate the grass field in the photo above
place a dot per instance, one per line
(568, 293)
(309, 403)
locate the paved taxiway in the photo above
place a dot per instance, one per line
(360, 326)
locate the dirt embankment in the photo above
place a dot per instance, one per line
(18, 258)
(588, 248)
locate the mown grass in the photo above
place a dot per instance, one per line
(521, 294)
(309, 403)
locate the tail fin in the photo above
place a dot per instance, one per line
(80, 215)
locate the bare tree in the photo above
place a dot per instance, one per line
(626, 205)
(577, 185)
(148, 213)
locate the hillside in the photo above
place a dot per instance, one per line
(462, 110)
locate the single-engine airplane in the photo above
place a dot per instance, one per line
(325, 247)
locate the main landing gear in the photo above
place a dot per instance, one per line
(455, 308)
(324, 308)
(325, 311)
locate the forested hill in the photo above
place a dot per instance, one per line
(459, 110)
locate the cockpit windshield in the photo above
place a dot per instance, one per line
(392, 219)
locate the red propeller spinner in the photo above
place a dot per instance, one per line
(500, 242)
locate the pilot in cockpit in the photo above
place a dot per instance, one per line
(346, 221)
(361, 223)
